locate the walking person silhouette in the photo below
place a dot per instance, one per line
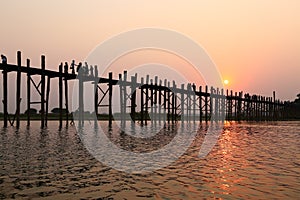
(72, 66)
(4, 59)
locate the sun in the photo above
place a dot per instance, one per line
(226, 82)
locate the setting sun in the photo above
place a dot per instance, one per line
(226, 82)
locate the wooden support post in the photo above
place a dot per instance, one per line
(155, 99)
(260, 108)
(249, 97)
(60, 88)
(271, 108)
(96, 80)
(110, 90)
(217, 111)
(4, 72)
(189, 103)
(182, 104)
(28, 92)
(124, 97)
(165, 101)
(268, 108)
(133, 97)
(18, 95)
(47, 100)
(246, 106)
(200, 104)
(147, 99)
(227, 103)
(142, 101)
(173, 101)
(235, 106)
(121, 99)
(251, 105)
(81, 92)
(239, 106)
(255, 107)
(43, 91)
(274, 107)
(231, 105)
(245, 111)
(66, 96)
(212, 99)
(169, 103)
(206, 103)
(151, 100)
(194, 102)
(223, 105)
(262, 111)
(159, 102)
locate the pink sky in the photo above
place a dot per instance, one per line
(255, 44)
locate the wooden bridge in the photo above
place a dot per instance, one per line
(160, 100)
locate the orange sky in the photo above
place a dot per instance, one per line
(255, 44)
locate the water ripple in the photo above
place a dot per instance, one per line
(250, 161)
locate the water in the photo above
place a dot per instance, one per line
(249, 161)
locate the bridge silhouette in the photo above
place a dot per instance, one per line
(160, 100)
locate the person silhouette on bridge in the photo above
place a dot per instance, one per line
(78, 67)
(86, 69)
(91, 70)
(4, 59)
(66, 67)
(72, 66)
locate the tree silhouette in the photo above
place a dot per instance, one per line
(297, 100)
(32, 111)
(57, 111)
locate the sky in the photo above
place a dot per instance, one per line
(254, 44)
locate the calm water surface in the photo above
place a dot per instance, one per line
(249, 161)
